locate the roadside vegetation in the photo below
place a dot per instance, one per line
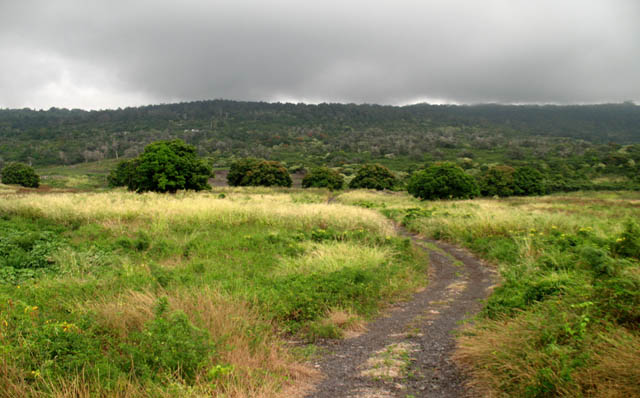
(192, 294)
(564, 321)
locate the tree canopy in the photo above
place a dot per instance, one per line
(323, 177)
(258, 172)
(442, 181)
(373, 176)
(164, 166)
(497, 180)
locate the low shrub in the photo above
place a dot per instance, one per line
(20, 174)
(258, 172)
(373, 176)
(169, 343)
(323, 177)
(442, 181)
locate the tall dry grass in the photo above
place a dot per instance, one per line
(230, 322)
(333, 256)
(504, 353)
(157, 209)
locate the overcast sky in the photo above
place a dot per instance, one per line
(116, 53)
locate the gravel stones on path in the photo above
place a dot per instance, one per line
(407, 352)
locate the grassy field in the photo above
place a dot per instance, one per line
(565, 321)
(120, 294)
(81, 176)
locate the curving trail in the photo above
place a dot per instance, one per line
(407, 352)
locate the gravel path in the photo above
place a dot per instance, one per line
(407, 352)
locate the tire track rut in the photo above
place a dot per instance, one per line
(407, 352)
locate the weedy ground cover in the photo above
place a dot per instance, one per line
(82, 176)
(120, 294)
(565, 321)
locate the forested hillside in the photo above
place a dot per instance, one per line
(333, 134)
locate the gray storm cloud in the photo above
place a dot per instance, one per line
(119, 53)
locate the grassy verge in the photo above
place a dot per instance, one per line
(119, 294)
(81, 176)
(565, 320)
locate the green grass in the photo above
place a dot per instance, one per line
(184, 295)
(564, 320)
(120, 294)
(81, 176)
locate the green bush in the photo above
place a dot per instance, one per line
(443, 181)
(258, 172)
(239, 170)
(20, 174)
(167, 166)
(323, 177)
(123, 175)
(528, 181)
(497, 180)
(373, 176)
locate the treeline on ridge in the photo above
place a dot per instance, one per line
(331, 134)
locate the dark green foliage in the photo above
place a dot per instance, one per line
(528, 181)
(239, 169)
(506, 181)
(598, 261)
(170, 343)
(373, 176)
(167, 166)
(628, 243)
(497, 180)
(124, 174)
(442, 181)
(323, 177)
(619, 299)
(548, 138)
(258, 172)
(20, 174)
